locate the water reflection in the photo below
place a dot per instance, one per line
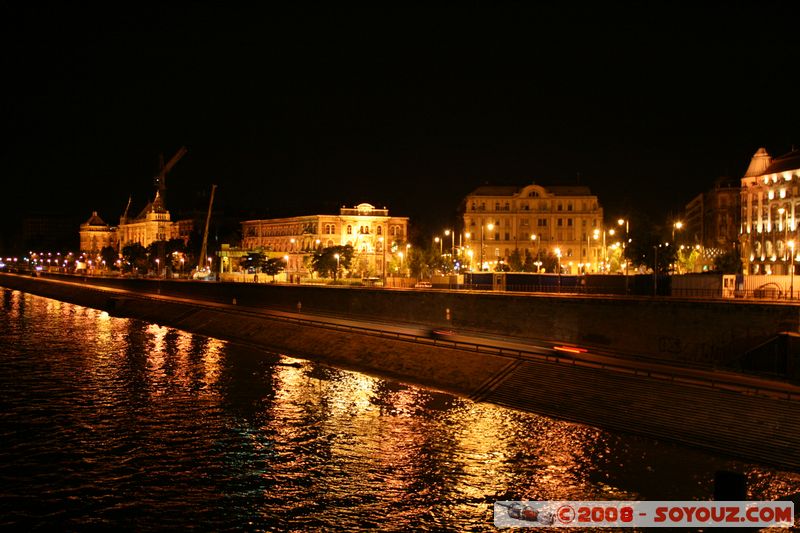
(108, 422)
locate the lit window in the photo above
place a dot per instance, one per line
(771, 195)
(783, 193)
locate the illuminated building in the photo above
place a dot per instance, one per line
(770, 204)
(711, 220)
(95, 235)
(364, 227)
(537, 219)
(150, 225)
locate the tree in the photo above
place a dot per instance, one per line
(687, 258)
(324, 262)
(515, 260)
(550, 262)
(253, 260)
(134, 257)
(109, 256)
(728, 263)
(273, 266)
(529, 264)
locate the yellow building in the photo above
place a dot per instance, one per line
(369, 230)
(557, 220)
(770, 207)
(151, 224)
(95, 235)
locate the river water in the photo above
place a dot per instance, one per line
(118, 423)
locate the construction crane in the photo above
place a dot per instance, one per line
(160, 180)
(201, 264)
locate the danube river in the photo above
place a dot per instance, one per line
(109, 422)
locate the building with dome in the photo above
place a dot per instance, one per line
(95, 235)
(152, 224)
(770, 205)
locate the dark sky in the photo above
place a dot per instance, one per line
(301, 109)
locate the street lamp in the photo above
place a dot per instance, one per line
(335, 274)
(783, 226)
(383, 265)
(558, 256)
(676, 226)
(535, 239)
(438, 241)
(158, 268)
(622, 222)
(791, 270)
(490, 227)
(452, 235)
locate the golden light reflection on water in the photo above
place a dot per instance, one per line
(293, 432)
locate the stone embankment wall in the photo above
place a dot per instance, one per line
(713, 333)
(743, 424)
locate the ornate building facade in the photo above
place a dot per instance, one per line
(95, 235)
(369, 230)
(558, 220)
(150, 225)
(770, 204)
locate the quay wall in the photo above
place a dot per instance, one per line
(713, 333)
(709, 418)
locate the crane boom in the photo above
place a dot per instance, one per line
(161, 177)
(202, 262)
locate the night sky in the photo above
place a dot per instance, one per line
(303, 108)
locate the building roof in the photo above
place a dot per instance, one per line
(512, 190)
(156, 206)
(568, 190)
(758, 164)
(495, 190)
(790, 161)
(95, 220)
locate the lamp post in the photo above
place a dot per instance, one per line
(490, 227)
(383, 264)
(158, 267)
(438, 241)
(676, 226)
(783, 223)
(535, 239)
(791, 270)
(558, 257)
(336, 274)
(452, 235)
(620, 222)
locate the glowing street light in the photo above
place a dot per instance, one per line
(676, 226)
(335, 274)
(791, 269)
(490, 227)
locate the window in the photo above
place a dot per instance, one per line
(542, 222)
(349, 230)
(497, 206)
(560, 222)
(569, 206)
(497, 236)
(560, 206)
(506, 235)
(507, 207)
(569, 222)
